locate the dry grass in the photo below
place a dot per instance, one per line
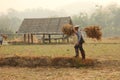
(93, 32)
(67, 29)
(28, 61)
(48, 73)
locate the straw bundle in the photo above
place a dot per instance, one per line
(67, 29)
(93, 32)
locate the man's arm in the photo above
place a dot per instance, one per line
(79, 36)
(74, 31)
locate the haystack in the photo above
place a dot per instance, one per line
(93, 32)
(67, 29)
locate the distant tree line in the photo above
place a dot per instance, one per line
(106, 17)
(9, 24)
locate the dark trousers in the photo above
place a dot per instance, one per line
(1, 42)
(79, 47)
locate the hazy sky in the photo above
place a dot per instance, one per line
(21, 5)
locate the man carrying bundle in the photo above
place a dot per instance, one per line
(69, 30)
(79, 44)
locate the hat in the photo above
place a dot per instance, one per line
(77, 26)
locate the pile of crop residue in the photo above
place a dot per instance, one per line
(108, 63)
(28, 61)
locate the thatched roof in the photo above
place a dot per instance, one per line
(43, 25)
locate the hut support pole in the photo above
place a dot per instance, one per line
(32, 38)
(24, 37)
(28, 38)
(63, 40)
(43, 38)
(49, 38)
(67, 40)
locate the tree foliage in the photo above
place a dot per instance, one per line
(108, 18)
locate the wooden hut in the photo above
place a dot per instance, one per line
(42, 26)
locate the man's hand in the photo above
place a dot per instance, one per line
(74, 30)
(77, 43)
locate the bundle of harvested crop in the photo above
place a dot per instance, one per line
(67, 29)
(93, 32)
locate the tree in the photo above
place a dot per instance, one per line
(81, 19)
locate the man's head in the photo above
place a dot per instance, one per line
(76, 27)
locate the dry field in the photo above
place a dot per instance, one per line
(107, 67)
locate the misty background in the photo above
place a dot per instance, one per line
(107, 17)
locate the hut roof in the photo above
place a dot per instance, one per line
(43, 25)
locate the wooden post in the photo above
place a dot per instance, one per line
(25, 38)
(49, 38)
(68, 40)
(43, 38)
(55, 40)
(63, 40)
(58, 40)
(32, 38)
(28, 38)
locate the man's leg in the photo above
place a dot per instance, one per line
(82, 51)
(76, 50)
(0, 42)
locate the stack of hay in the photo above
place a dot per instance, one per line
(93, 32)
(67, 29)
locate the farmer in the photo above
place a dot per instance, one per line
(1, 39)
(79, 44)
